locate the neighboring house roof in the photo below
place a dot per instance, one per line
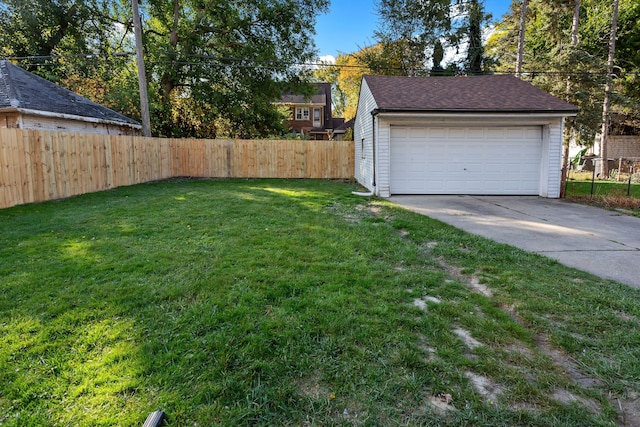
(342, 128)
(486, 94)
(320, 97)
(26, 92)
(336, 122)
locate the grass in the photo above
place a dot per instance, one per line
(270, 302)
(605, 193)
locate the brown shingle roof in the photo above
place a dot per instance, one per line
(496, 93)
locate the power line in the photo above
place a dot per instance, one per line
(271, 64)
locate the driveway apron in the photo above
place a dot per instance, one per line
(604, 243)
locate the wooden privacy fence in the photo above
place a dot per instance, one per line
(44, 165)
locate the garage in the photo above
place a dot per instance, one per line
(480, 135)
(466, 160)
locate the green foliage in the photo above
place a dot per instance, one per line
(348, 135)
(212, 69)
(576, 74)
(232, 60)
(408, 28)
(72, 43)
(410, 32)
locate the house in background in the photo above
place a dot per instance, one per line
(341, 128)
(313, 116)
(495, 135)
(28, 101)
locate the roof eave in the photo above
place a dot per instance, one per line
(302, 104)
(50, 114)
(475, 113)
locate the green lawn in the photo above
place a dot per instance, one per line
(271, 302)
(604, 193)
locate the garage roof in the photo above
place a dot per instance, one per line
(22, 90)
(483, 94)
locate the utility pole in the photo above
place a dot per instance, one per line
(142, 75)
(523, 21)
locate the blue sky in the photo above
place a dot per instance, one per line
(350, 24)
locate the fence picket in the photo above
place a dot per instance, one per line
(42, 165)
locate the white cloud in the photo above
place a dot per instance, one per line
(327, 59)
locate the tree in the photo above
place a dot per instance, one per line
(232, 58)
(213, 68)
(604, 166)
(72, 43)
(408, 30)
(470, 23)
(550, 57)
(411, 31)
(437, 57)
(346, 75)
(521, 38)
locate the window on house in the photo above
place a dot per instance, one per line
(362, 148)
(302, 113)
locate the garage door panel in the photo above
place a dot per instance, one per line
(466, 160)
(399, 132)
(418, 132)
(437, 132)
(495, 133)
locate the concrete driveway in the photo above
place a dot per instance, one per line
(602, 242)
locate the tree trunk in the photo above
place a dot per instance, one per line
(570, 132)
(576, 21)
(604, 166)
(523, 21)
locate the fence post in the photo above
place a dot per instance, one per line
(631, 164)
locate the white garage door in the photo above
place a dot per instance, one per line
(466, 160)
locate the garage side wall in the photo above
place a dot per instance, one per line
(363, 136)
(383, 155)
(551, 158)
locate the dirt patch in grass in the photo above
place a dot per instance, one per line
(628, 409)
(421, 303)
(471, 280)
(442, 404)
(485, 387)
(467, 339)
(565, 363)
(567, 398)
(490, 391)
(310, 387)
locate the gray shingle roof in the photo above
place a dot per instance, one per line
(23, 90)
(320, 97)
(484, 94)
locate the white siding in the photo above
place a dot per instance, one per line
(363, 138)
(552, 159)
(384, 157)
(68, 125)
